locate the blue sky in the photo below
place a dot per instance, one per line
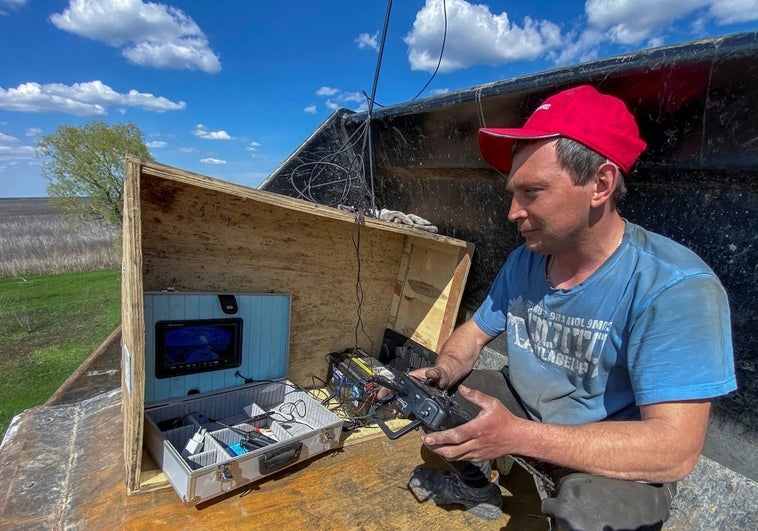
(230, 88)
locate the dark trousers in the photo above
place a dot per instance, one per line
(580, 500)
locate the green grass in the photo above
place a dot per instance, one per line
(49, 324)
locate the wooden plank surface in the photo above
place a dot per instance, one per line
(76, 481)
(132, 327)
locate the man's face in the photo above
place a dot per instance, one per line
(550, 210)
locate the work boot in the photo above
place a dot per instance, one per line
(446, 488)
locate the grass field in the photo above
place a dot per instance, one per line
(36, 238)
(60, 297)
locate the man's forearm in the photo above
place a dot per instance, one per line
(652, 450)
(460, 351)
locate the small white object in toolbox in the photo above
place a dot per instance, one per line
(195, 444)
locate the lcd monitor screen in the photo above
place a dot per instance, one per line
(191, 346)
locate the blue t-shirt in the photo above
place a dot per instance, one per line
(650, 325)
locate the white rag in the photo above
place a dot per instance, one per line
(395, 216)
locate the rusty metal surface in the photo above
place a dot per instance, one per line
(99, 373)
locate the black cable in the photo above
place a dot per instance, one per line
(359, 295)
(442, 51)
(285, 383)
(363, 134)
(369, 98)
(317, 167)
(360, 398)
(245, 378)
(371, 102)
(356, 170)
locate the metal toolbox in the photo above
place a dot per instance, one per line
(206, 434)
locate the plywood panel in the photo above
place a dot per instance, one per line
(132, 329)
(204, 240)
(429, 284)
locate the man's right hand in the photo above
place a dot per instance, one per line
(456, 357)
(436, 376)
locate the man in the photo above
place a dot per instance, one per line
(618, 338)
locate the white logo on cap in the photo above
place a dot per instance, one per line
(543, 107)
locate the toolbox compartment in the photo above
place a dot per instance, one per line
(301, 428)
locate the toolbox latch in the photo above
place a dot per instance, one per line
(223, 473)
(225, 476)
(327, 437)
(279, 458)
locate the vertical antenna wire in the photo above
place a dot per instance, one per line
(371, 106)
(367, 146)
(442, 52)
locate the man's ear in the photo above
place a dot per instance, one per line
(606, 178)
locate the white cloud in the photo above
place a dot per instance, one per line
(336, 99)
(475, 36)
(202, 132)
(734, 11)
(253, 149)
(327, 91)
(12, 152)
(148, 34)
(341, 99)
(10, 4)
(157, 144)
(7, 139)
(585, 47)
(365, 40)
(212, 161)
(351, 96)
(634, 21)
(80, 99)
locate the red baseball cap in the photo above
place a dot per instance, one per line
(599, 121)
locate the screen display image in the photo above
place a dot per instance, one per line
(191, 346)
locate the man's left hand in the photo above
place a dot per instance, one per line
(485, 437)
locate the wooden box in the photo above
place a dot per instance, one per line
(348, 279)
